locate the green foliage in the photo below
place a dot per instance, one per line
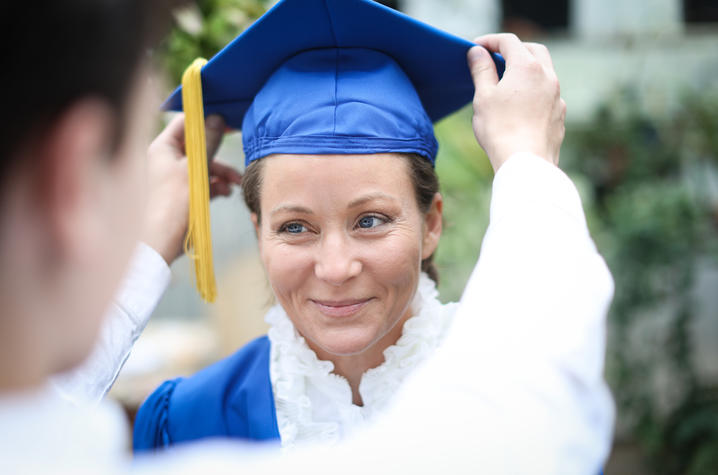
(203, 28)
(646, 188)
(654, 219)
(465, 175)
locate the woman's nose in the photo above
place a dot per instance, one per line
(336, 262)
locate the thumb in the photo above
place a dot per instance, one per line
(214, 129)
(482, 67)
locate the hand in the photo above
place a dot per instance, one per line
(167, 213)
(524, 111)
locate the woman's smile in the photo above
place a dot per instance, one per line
(341, 308)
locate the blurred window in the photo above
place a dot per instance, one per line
(530, 19)
(700, 11)
(395, 4)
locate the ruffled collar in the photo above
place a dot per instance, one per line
(315, 405)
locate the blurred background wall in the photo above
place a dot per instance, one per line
(640, 78)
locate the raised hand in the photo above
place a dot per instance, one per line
(168, 196)
(524, 111)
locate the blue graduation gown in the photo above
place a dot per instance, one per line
(231, 398)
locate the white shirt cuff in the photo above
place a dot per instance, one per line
(526, 182)
(146, 280)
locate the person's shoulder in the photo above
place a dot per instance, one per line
(230, 398)
(248, 358)
(214, 386)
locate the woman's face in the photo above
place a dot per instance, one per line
(342, 239)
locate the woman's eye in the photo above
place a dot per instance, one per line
(368, 222)
(293, 228)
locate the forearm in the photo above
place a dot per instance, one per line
(145, 282)
(535, 311)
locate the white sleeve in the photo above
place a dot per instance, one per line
(517, 386)
(143, 286)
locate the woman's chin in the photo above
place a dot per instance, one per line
(344, 346)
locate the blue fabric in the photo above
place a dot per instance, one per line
(231, 398)
(341, 101)
(343, 67)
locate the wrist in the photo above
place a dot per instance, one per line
(166, 244)
(499, 158)
(161, 248)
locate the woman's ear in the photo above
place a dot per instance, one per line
(433, 221)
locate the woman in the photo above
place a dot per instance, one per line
(346, 207)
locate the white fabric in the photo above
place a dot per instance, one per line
(146, 280)
(43, 433)
(516, 386)
(314, 405)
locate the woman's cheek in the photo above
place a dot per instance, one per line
(287, 267)
(396, 257)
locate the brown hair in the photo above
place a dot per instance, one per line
(423, 177)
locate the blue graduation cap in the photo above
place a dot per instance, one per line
(323, 53)
(324, 77)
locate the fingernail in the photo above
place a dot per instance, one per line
(476, 53)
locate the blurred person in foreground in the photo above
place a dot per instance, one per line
(78, 191)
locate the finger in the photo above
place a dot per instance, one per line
(508, 44)
(482, 67)
(225, 172)
(542, 55)
(173, 133)
(214, 131)
(219, 188)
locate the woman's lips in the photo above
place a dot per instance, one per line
(337, 309)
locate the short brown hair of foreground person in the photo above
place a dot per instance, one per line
(59, 52)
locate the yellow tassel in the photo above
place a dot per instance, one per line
(198, 242)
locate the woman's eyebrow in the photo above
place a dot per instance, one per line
(371, 197)
(291, 209)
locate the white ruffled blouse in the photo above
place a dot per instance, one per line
(315, 405)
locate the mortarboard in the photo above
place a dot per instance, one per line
(321, 77)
